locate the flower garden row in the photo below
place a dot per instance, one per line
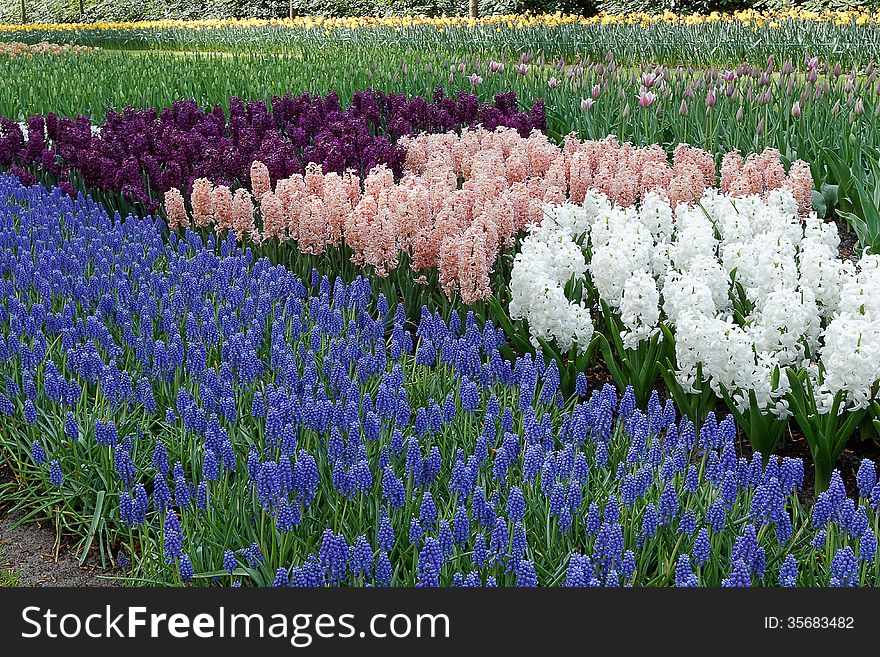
(784, 102)
(663, 37)
(214, 418)
(341, 338)
(444, 211)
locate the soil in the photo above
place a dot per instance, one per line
(848, 240)
(32, 555)
(29, 552)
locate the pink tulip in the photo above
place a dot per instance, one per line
(475, 79)
(646, 98)
(552, 83)
(586, 104)
(595, 92)
(522, 69)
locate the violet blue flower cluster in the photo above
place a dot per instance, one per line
(275, 431)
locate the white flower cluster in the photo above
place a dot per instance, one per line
(551, 257)
(747, 288)
(851, 349)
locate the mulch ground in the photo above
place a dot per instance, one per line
(33, 555)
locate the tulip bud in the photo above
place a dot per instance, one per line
(710, 98)
(859, 108)
(796, 110)
(595, 92)
(740, 114)
(836, 109)
(759, 129)
(683, 109)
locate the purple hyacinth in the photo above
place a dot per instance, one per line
(684, 575)
(739, 576)
(56, 477)
(788, 572)
(844, 568)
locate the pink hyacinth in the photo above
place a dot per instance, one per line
(274, 219)
(763, 172)
(243, 215)
(202, 206)
(260, 181)
(464, 198)
(175, 210)
(222, 204)
(800, 182)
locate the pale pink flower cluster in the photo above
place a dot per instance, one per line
(175, 210)
(760, 173)
(625, 173)
(461, 201)
(202, 206)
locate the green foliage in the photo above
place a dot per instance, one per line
(865, 219)
(134, 10)
(826, 432)
(763, 429)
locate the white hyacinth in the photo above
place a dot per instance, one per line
(801, 306)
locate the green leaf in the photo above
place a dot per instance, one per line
(820, 205)
(93, 527)
(831, 194)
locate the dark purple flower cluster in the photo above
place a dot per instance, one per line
(141, 153)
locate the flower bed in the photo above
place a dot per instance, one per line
(766, 314)
(28, 50)
(234, 424)
(465, 197)
(141, 154)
